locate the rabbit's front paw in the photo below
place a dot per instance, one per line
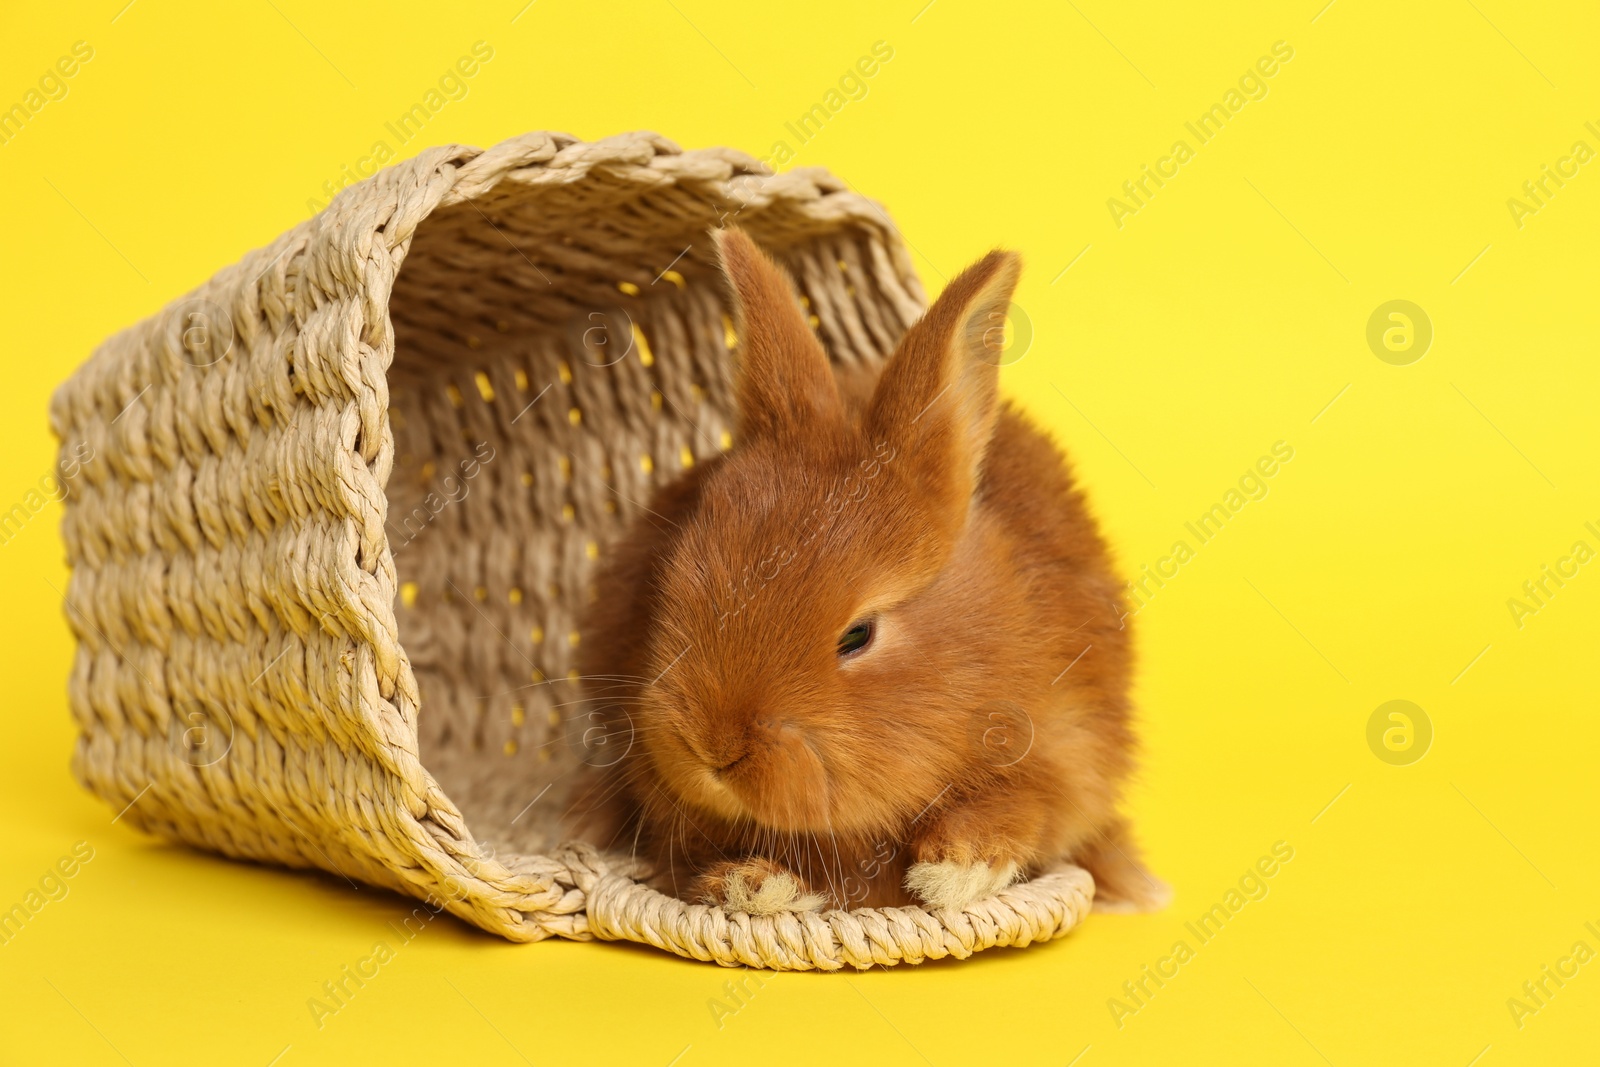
(953, 885)
(757, 886)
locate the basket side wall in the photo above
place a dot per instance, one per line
(244, 680)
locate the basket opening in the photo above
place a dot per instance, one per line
(557, 357)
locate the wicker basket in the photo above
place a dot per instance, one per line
(342, 504)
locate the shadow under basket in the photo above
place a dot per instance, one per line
(335, 515)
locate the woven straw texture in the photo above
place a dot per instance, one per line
(345, 502)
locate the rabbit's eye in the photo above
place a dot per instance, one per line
(856, 639)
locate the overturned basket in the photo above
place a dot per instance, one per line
(341, 505)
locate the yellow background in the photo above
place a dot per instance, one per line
(1223, 317)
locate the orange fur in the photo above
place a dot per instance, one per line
(915, 497)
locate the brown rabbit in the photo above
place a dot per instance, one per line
(874, 654)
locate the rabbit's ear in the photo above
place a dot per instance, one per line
(783, 381)
(938, 399)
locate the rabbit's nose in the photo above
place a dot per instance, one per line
(764, 730)
(730, 764)
(724, 753)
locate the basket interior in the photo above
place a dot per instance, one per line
(560, 351)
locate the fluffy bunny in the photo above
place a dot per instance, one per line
(875, 654)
